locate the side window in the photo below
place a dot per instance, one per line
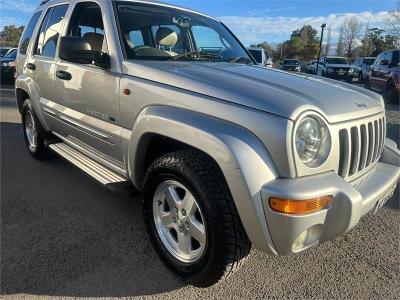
(389, 57)
(50, 31)
(87, 23)
(208, 39)
(136, 38)
(27, 35)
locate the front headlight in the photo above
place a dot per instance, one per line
(8, 64)
(313, 141)
(330, 70)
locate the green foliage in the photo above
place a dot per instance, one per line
(303, 44)
(10, 35)
(380, 42)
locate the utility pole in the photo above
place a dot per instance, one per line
(320, 47)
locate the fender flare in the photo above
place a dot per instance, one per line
(242, 158)
(26, 84)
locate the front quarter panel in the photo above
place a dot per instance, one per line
(241, 157)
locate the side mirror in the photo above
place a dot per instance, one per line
(77, 50)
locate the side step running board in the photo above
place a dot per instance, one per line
(88, 165)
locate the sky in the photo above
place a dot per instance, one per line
(254, 21)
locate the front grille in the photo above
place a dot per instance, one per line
(361, 146)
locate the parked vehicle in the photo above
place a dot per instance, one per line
(383, 75)
(334, 67)
(360, 68)
(7, 66)
(4, 51)
(226, 154)
(290, 65)
(311, 67)
(261, 56)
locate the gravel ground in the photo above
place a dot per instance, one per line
(62, 235)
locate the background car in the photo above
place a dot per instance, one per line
(383, 76)
(290, 65)
(334, 67)
(360, 68)
(311, 67)
(4, 51)
(7, 66)
(261, 56)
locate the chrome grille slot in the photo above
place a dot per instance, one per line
(360, 146)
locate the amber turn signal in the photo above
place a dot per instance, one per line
(298, 207)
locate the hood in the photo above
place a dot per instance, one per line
(290, 65)
(269, 90)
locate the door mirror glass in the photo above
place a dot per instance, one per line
(78, 50)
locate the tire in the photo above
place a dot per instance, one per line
(34, 134)
(360, 78)
(390, 95)
(225, 243)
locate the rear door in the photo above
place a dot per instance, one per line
(41, 64)
(89, 97)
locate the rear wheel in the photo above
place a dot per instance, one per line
(34, 134)
(360, 78)
(191, 218)
(390, 94)
(367, 83)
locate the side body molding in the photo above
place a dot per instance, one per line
(243, 159)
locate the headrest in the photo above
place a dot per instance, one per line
(95, 40)
(166, 37)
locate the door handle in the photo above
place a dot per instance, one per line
(63, 75)
(31, 66)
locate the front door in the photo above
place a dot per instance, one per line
(88, 95)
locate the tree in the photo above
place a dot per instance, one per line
(10, 35)
(379, 42)
(352, 28)
(327, 47)
(340, 45)
(303, 44)
(366, 49)
(393, 21)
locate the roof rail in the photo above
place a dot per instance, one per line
(43, 2)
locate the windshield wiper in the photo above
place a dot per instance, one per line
(234, 60)
(196, 54)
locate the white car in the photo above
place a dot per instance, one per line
(261, 56)
(333, 67)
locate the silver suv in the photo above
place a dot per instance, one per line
(226, 154)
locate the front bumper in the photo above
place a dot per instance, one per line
(350, 202)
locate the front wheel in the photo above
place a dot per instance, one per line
(390, 95)
(191, 218)
(34, 134)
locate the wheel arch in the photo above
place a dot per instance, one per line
(241, 157)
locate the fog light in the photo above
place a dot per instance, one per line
(307, 238)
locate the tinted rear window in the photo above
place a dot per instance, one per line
(27, 35)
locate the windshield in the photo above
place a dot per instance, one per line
(257, 55)
(290, 62)
(12, 54)
(369, 61)
(337, 61)
(153, 32)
